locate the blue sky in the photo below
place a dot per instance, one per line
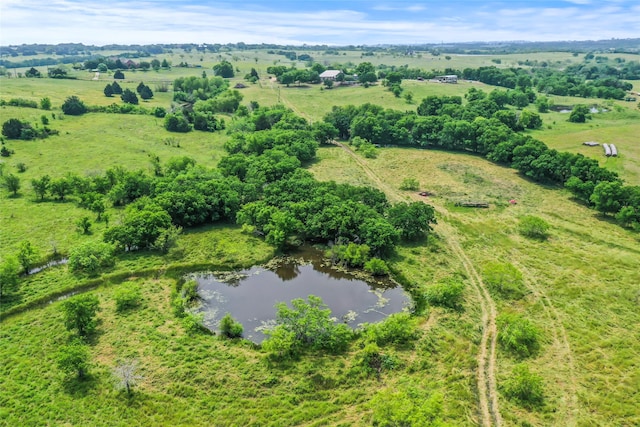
(314, 22)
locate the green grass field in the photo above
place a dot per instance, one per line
(582, 285)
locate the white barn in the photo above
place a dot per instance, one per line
(330, 75)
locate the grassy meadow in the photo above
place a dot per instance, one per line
(581, 285)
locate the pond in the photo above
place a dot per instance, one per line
(250, 295)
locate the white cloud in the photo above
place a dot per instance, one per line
(143, 22)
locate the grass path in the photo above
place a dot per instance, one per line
(486, 373)
(560, 349)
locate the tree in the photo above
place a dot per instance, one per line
(530, 120)
(73, 106)
(223, 69)
(542, 103)
(57, 73)
(126, 374)
(369, 77)
(60, 187)
(129, 97)
(32, 72)
(74, 358)
(230, 328)
(90, 257)
(118, 75)
(116, 88)
(412, 220)
(140, 228)
(9, 273)
(608, 197)
(108, 91)
(306, 325)
(79, 313)
(84, 224)
(27, 255)
(579, 114)
(146, 93)
(41, 186)
(12, 183)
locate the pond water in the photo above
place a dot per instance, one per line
(250, 295)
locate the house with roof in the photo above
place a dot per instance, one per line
(330, 75)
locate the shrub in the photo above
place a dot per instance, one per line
(398, 328)
(159, 112)
(504, 280)
(73, 106)
(518, 335)
(21, 102)
(189, 292)
(45, 103)
(307, 325)
(352, 255)
(90, 257)
(410, 184)
(127, 297)
(524, 387)
(533, 227)
(446, 294)
(376, 267)
(230, 328)
(176, 123)
(373, 361)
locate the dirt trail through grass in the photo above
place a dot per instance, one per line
(560, 349)
(285, 101)
(486, 374)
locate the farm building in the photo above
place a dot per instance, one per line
(330, 75)
(591, 143)
(451, 78)
(607, 150)
(614, 150)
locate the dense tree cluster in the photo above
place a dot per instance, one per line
(192, 88)
(579, 80)
(482, 126)
(290, 75)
